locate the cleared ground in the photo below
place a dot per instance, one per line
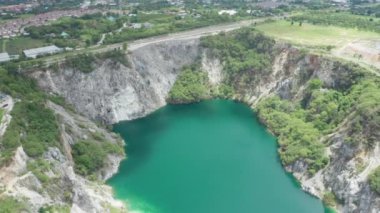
(367, 51)
(314, 35)
(16, 45)
(358, 46)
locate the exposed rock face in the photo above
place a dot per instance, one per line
(6, 105)
(113, 92)
(342, 176)
(213, 67)
(65, 187)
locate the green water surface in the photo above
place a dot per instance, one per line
(210, 157)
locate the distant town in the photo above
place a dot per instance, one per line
(13, 28)
(30, 30)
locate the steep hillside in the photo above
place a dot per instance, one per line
(42, 167)
(113, 92)
(325, 112)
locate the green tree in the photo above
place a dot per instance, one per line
(89, 157)
(190, 86)
(374, 180)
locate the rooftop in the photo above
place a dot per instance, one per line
(42, 51)
(4, 57)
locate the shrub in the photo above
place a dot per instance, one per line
(81, 62)
(298, 139)
(90, 156)
(190, 86)
(374, 180)
(38, 126)
(55, 209)
(33, 125)
(342, 19)
(329, 199)
(245, 50)
(115, 55)
(11, 205)
(39, 167)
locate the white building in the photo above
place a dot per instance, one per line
(228, 12)
(33, 53)
(4, 57)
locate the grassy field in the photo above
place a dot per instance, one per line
(314, 35)
(16, 45)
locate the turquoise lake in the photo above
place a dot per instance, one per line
(208, 157)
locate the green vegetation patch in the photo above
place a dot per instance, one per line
(374, 180)
(73, 32)
(329, 199)
(314, 35)
(247, 55)
(164, 24)
(298, 139)
(190, 86)
(39, 167)
(342, 19)
(367, 10)
(301, 124)
(1, 114)
(81, 62)
(366, 123)
(55, 209)
(16, 45)
(89, 156)
(11, 205)
(115, 55)
(33, 125)
(326, 109)
(86, 62)
(245, 52)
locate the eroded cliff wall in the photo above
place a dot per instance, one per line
(114, 92)
(58, 185)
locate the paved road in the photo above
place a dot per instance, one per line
(190, 34)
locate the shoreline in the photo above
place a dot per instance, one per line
(301, 186)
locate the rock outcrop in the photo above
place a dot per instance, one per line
(113, 92)
(64, 187)
(6, 105)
